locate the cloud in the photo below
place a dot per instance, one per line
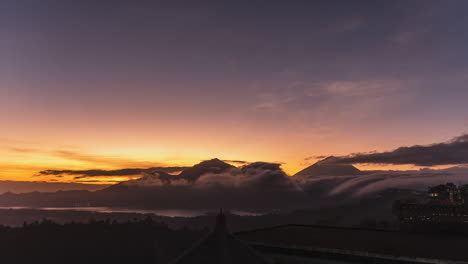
(96, 181)
(305, 103)
(91, 173)
(448, 153)
(105, 160)
(350, 187)
(413, 180)
(255, 175)
(236, 161)
(315, 157)
(100, 173)
(23, 150)
(257, 185)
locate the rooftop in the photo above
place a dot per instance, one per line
(388, 243)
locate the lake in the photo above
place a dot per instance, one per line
(166, 212)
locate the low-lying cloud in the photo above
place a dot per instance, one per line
(419, 180)
(258, 174)
(256, 185)
(255, 175)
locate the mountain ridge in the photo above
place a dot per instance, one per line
(328, 167)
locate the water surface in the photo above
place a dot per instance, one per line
(165, 212)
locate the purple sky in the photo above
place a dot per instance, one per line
(153, 82)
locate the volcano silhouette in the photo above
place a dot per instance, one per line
(329, 167)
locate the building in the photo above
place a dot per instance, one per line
(443, 209)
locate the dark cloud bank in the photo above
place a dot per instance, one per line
(448, 153)
(120, 172)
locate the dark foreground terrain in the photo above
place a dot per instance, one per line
(148, 241)
(438, 246)
(138, 241)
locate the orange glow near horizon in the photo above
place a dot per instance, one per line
(112, 138)
(153, 85)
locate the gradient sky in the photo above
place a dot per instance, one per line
(117, 84)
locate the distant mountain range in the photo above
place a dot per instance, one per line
(153, 178)
(214, 166)
(41, 186)
(256, 186)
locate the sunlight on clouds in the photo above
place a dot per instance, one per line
(105, 179)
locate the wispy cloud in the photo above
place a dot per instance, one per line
(23, 150)
(95, 159)
(100, 173)
(236, 161)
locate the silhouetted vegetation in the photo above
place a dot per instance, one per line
(137, 241)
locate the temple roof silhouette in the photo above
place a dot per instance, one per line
(220, 247)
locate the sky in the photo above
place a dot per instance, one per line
(136, 84)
